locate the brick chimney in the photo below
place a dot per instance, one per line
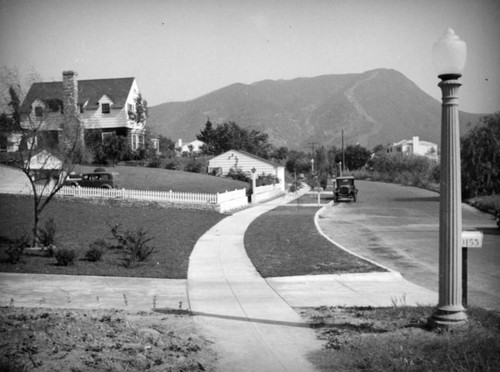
(72, 127)
(70, 94)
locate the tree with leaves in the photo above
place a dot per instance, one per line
(167, 146)
(230, 136)
(356, 156)
(298, 162)
(141, 109)
(480, 158)
(116, 147)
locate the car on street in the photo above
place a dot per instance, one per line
(345, 189)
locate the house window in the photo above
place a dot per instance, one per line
(135, 141)
(105, 108)
(106, 135)
(38, 111)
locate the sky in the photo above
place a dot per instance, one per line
(179, 50)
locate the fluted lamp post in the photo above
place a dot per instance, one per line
(449, 56)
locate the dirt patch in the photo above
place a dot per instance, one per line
(101, 340)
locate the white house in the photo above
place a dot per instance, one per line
(44, 160)
(104, 106)
(11, 142)
(191, 147)
(246, 162)
(415, 147)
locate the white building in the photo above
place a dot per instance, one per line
(415, 147)
(191, 147)
(246, 162)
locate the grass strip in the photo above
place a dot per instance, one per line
(398, 338)
(285, 242)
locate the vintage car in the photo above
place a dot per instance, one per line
(344, 189)
(105, 180)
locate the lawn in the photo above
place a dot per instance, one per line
(293, 246)
(399, 339)
(140, 178)
(79, 223)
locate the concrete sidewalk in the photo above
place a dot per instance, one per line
(254, 329)
(91, 292)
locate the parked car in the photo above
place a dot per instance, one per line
(344, 189)
(105, 180)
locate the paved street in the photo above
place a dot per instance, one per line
(399, 228)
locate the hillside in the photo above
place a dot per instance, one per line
(373, 107)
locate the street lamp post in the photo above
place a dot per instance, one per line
(449, 55)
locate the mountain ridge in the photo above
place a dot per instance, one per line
(374, 107)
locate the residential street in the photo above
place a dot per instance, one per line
(399, 227)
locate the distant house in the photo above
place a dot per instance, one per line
(194, 147)
(246, 162)
(45, 167)
(415, 147)
(10, 141)
(44, 160)
(104, 106)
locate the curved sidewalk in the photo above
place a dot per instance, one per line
(254, 329)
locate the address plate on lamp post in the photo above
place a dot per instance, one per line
(472, 239)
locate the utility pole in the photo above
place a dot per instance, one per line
(343, 156)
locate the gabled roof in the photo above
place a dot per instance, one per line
(249, 155)
(89, 92)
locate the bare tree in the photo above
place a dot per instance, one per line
(46, 157)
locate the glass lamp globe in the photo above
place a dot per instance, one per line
(449, 55)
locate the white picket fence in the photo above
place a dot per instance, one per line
(267, 192)
(222, 202)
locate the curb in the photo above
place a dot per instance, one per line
(316, 223)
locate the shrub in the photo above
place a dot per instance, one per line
(97, 250)
(194, 166)
(172, 165)
(133, 244)
(137, 249)
(65, 256)
(16, 249)
(239, 175)
(266, 179)
(47, 235)
(155, 162)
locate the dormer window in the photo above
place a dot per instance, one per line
(38, 111)
(105, 108)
